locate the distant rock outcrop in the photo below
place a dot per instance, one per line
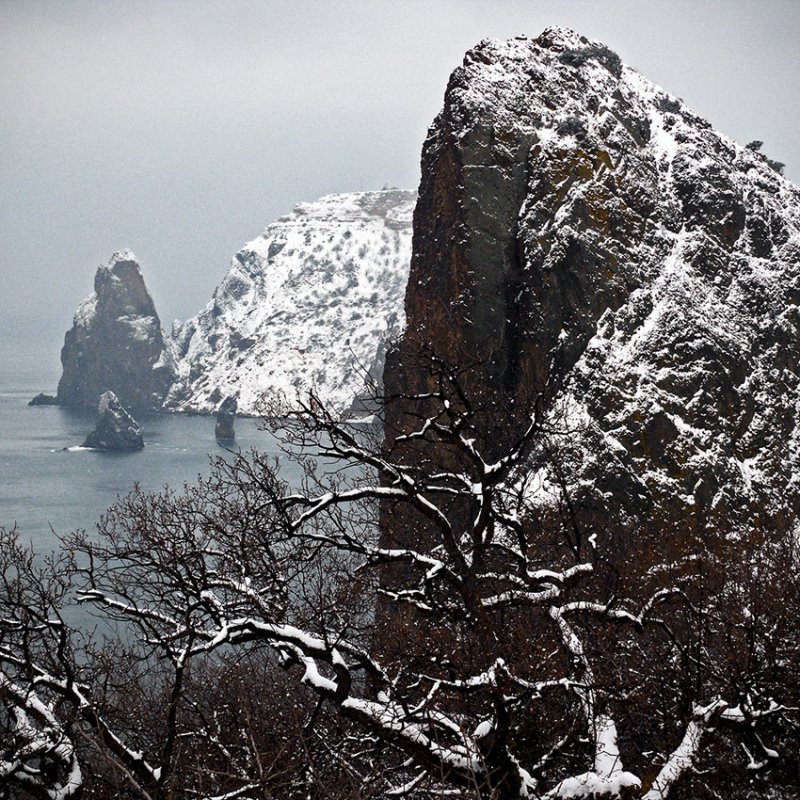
(115, 342)
(226, 414)
(116, 429)
(309, 304)
(43, 399)
(580, 230)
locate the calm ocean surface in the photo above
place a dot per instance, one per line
(45, 489)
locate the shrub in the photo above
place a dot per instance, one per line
(670, 104)
(577, 57)
(776, 165)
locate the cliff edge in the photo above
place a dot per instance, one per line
(581, 232)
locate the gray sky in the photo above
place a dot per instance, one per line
(181, 129)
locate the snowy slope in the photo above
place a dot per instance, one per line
(308, 304)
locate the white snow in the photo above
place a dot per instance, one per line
(592, 786)
(308, 304)
(87, 309)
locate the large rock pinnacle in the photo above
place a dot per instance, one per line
(115, 342)
(581, 232)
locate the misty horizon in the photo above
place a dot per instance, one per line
(183, 135)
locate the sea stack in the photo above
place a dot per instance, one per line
(116, 429)
(115, 342)
(225, 416)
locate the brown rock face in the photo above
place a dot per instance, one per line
(115, 343)
(493, 281)
(581, 233)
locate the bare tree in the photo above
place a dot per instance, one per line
(466, 654)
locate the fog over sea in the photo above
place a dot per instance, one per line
(46, 489)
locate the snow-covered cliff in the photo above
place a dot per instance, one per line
(581, 231)
(308, 304)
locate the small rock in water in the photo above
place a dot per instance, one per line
(116, 429)
(43, 399)
(226, 414)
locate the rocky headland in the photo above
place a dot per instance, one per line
(579, 233)
(309, 304)
(582, 233)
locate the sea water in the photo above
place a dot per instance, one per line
(50, 487)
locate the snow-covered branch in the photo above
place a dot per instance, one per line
(449, 637)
